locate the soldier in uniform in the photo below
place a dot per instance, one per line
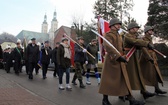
(18, 57)
(114, 80)
(45, 60)
(92, 63)
(133, 68)
(148, 61)
(32, 54)
(79, 59)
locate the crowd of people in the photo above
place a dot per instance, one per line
(119, 75)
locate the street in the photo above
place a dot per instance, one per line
(19, 90)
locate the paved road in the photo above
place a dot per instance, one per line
(47, 92)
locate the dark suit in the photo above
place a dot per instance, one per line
(32, 57)
(7, 59)
(45, 60)
(54, 60)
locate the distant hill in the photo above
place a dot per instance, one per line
(6, 37)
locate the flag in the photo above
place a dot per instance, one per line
(103, 27)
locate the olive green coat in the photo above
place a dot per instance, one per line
(114, 80)
(133, 67)
(151, 72)
(92, 49)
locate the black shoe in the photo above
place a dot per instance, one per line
(30, 77)
(123, 98)
(106, 102)
(74, 83)
(159, 91)
(82, 86)
(44, 77)
(147, 94)
(136, 102)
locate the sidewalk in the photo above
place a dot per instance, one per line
(13, 94)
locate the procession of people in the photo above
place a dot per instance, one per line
(119, 76)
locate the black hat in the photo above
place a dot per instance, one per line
(33, 39)
(64, 39)
(46, 41)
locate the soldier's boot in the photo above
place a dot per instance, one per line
(123, 98)
(136, 102)
(81, 84)
(74, 80)
(98, 78)
(105, 100)
(88, 79)
(158, 90)
(147, 94)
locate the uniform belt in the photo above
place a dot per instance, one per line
(127, 49)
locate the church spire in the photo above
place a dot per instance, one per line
(55, 15)
(45, 19)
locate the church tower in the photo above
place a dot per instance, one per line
(44, 28)
(54, 26)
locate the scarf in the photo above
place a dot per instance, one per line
(67, 51)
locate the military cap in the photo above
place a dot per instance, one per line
(114, 21)
(133, 25)
(147, 28)
(80, 38)
(33, 39)
(64, 39)
(94, 40)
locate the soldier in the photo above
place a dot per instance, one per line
(133, 67)
(92, 63)
(18, 57)
(115, 81)
(54, 59)
(79, 59)
(45, 60)
(148, 62)
(64, 62)
(32, 54)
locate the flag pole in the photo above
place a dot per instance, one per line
(79, 45)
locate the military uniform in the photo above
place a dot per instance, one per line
(148, 61)
(133, 66)
(79, 60)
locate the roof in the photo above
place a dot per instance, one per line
(5, 37)
(28, 35)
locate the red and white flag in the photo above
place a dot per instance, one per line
(103, 27)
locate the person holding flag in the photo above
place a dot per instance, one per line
(114, 80)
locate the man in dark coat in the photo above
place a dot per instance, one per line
(7, 59)
(80, 59)
(54, 59)
(1, 57)
(45, 60)
(18, 57)
(32, 56)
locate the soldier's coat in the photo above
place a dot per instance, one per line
(133, 67)
(151, 72)
(114, 80)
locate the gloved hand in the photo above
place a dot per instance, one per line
(121, 59)
(13, 61)
(84, 50)
(150, 46)
(86, 62)
(151, 60)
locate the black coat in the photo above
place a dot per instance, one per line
(62, 62)
(54, 55)
(18, 56)
(45, 59)
(80, 56)
(8, 57)
(32, 53)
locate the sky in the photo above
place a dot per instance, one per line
(18, 15)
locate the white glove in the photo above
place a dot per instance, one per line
(13, 61)
(84, 50)
(86, 62)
